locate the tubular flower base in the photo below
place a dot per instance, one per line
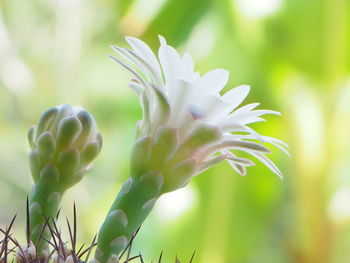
(187, 127)
(63, 146)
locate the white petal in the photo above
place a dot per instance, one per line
(238, 164)
(278, 143)
(236, 95)
(136, 86)
(187, 67)
(211, 162)
(130, 69)
(146, 120)
(180, 93)
(214, 81)
(162, 109)
(195, 112)
(252, 120)
(123, 53)
(238, 168)
(247, 107)
(241, 161)
(253, 135)
(213, 106)
(271, 139)
(246, 146)
(169, 59)
(145, 52)
(141, 64)
(247, 116)
(269, 164)
(162, 40)
(227, 126)
(281, 148)
(223, 145)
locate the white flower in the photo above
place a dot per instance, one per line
(209, 127)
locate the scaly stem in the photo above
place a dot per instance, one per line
(44, 204)
(131, 207)
(63, 146)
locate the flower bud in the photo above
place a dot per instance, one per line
(67, 138)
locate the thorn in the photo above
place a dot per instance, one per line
(60, 242)
(90, 249)
(80, 249)
(58, 213)
(132, 258)
(160, 257)
(27, 222)
(129, 250)
(192, 257)
(130, 243)
(71, 235)
(74, 226)
(52, 234)
(41, 234)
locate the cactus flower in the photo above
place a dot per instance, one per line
(63, 146)
(188, 126)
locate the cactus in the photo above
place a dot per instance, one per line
(63, 146)
(187, 127)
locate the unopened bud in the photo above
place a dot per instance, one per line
(66, 137)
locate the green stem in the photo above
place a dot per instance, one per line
(129, 210)
(44, 203)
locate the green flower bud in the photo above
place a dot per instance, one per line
(63, 146)
(66, 137)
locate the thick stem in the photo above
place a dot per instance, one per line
(131, 207)
(44, 203)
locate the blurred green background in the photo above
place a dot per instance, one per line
(294, 54)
